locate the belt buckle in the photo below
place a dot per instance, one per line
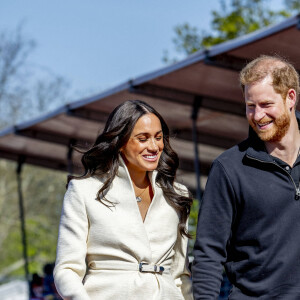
(156, 269)
(141, 267)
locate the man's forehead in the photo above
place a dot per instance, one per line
(267, 80)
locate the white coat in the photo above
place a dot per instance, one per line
(99, 249)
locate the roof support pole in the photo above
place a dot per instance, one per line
(69, 156)
(21, 161)
(196, 106)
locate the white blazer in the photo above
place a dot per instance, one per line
(100, 249)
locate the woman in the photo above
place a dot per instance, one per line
(123, 229)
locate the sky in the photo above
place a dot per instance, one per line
(96, 44)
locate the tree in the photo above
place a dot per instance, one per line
(22, 96)
(231, 21)
(293, 5)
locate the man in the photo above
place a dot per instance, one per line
(249, 220)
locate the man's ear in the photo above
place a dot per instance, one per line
(291, 98)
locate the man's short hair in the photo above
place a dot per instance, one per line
(282, 72)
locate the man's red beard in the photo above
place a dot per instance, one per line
(278, 130)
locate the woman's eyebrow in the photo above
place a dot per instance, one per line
(147, 133)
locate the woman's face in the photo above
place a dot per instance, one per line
(142, 151)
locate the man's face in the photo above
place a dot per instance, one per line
(267, 113)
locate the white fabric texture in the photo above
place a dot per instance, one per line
(90, 232)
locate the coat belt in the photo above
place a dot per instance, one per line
(128, 266)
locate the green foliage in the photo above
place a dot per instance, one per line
(231, 21)
(188, 38)
(244, 16)
(293, 5)
(43, 192)
(193, 224)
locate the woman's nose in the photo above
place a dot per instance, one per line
(153, 145)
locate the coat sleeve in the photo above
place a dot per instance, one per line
(70, 264)
(213, 233)
(179, 270)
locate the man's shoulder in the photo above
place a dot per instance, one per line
(234, 154)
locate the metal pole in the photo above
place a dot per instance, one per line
(196, 106)
(69, 156)
(22, 219)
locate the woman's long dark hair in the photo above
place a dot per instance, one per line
(102, 159)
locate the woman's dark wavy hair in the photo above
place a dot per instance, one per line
(102, 159)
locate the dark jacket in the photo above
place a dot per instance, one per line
(249, 221)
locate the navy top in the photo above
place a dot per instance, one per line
(249, 221)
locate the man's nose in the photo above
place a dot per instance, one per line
(258, 114)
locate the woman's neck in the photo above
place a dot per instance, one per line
(139, 179)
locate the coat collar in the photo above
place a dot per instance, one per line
(124, 175)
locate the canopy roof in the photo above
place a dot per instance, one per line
(206, 81)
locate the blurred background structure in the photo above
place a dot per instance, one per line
(194, 87)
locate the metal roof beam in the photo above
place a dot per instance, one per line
(225, 61)
(185, 134)
(178, 96)
(89, 114)
(206, 138)
(185, 163)
(230, 62)
(33, 160)
(56, 138)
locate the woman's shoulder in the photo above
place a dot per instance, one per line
(85, 183)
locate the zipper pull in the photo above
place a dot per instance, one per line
(297, 196)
